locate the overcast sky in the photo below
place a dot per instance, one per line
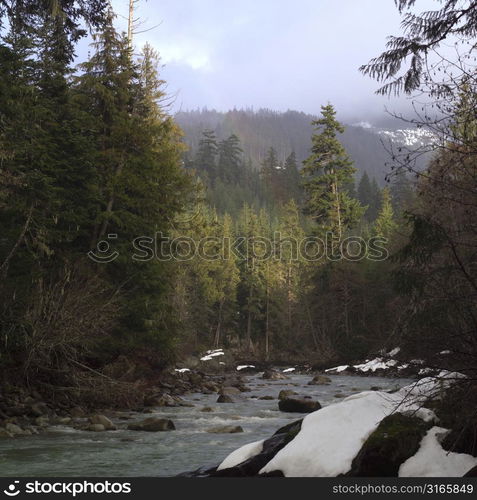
(278, 54)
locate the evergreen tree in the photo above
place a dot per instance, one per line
(230, 164)
(369, 195)
(384, 225)
(326, 171)
(206, 158)
(402, 192)
(292, 178)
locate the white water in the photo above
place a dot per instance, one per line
(63, 451)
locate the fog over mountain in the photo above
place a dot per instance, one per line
(366, 143)
(295, 55)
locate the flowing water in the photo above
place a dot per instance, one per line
(63, 451)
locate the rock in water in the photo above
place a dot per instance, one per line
(14, 429)
(229, 391)
(286, 393)
(224, 399)
(273, 375)
(293, 405)
(320, 380)
(104, 421)
(396, 439)
(226, 429)
(5, 434)
(153, 424)
(96, 428)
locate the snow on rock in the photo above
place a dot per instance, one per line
(242, 454)
(289, 370)
(212, 354)
(425, 371)
(394, 352)
(182, 370)
(337, 369)
(243, 367)
(431, 460)
(330, 438)
(376, 364)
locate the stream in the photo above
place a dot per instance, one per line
(63, 451)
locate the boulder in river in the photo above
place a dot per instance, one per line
(229, 391)
(224, 399)
(286, 393)
(226, 429)
(273, 375)
(295, 405)
(4, 433)
(96, 428)
(152, 424)
(320, 380)
(104, 421)
(15, 430)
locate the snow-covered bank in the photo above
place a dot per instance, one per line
(386, 364)
(331, 438)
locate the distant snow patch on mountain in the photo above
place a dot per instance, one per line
(411, 137)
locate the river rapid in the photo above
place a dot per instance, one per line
(63, 451)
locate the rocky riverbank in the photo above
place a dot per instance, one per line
(27, 412)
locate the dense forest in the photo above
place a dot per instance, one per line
(329, 260)
(290, 131)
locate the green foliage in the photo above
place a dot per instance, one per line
(83, 157)
(326, 171)
(385, 224)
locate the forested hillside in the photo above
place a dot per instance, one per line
(291, 131)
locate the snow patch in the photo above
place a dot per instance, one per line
(182, 370)
(376, 364)
(394, 352)
(337, 369)
(431, 460)
(244, 453)
(212, 354)
(243, 367)
(289, 370)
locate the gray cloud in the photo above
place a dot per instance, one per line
(270, 53)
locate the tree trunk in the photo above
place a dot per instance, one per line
(248, 338)
(267, 326)
(219, 325)
(338, 207)
(21, 236)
